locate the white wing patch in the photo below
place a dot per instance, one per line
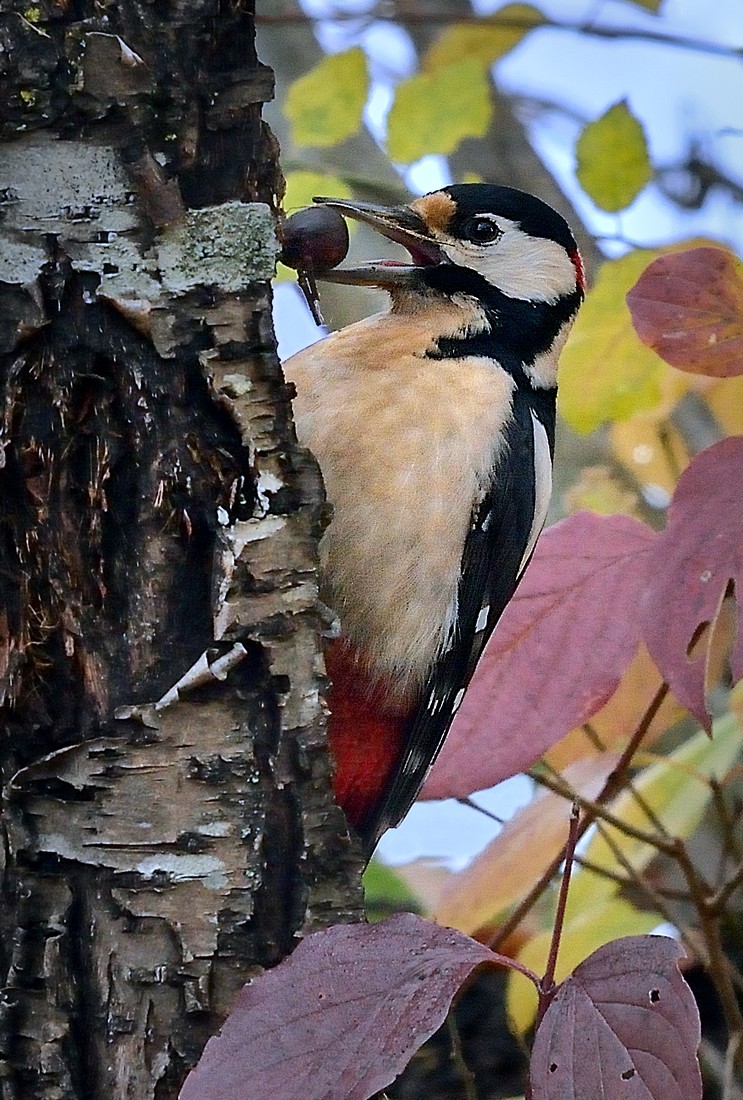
(542, 485)
(482, 619)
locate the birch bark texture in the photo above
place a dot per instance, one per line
(168, 827)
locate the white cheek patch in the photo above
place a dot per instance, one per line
(542, 485)
(530, 268)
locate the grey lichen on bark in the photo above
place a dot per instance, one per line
(166, 806)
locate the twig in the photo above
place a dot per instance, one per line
(598, 810)
(718, 901)
(411, 18)
(547, 984)
(726, 820)
(632, 878)
(656, 899)
(717, 963)
(472, 805)
(730, 1090)
(612, 784)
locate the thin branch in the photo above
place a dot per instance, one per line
(546, 986)
(717, 963)
(639, 799)
(732, 846)
(472, 805)
(656, 899)
(719, 900)
(598, 810)
(730, 1090)
(666, 893)
(589, 30)
(716, 1068)
(611, 786)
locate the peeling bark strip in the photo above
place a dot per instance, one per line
(167, 820)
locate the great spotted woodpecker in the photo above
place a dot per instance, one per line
(433, 425)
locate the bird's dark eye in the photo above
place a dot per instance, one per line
(481, 230)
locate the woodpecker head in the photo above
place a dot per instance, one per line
(472, 239)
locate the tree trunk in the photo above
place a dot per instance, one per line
(168, 825)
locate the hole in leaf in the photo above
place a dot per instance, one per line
(654, 995)
(553, 1067)
(721, 641)
(628, 1074)
(698, 640)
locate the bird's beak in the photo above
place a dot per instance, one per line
(397, 223)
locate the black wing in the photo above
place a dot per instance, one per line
(500, 539)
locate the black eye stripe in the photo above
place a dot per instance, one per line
(480, 230)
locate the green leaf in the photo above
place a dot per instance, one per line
(485, 40)
(606, 373)
(650, 5)
(433, 112)
(384, 890)
(677, 790)
(325, 105)
(613, 161)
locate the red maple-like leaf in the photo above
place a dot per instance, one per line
(341, 1017)
(556, 656)
(690, 567)
(688, 306)
(623, 1026)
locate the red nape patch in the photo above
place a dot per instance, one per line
(580, 271)
(364, 731)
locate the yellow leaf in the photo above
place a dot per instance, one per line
(599, 490)
(596, 925)
(434, 112)
(653, 450)
(325, 105)
(725, 400)
(606, 373)
(485, 39)
(677, 790)
(503, 872)
(613, 164)
(622, 714)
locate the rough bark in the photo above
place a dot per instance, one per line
(167, 820)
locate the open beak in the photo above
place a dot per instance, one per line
(397, 223)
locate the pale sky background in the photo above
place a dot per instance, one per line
(678, 93)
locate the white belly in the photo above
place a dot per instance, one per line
(406, 446)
